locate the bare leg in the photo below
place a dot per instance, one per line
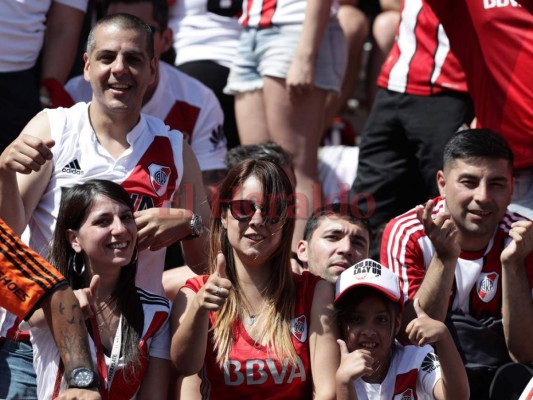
(251, 117)
(297, 127)
(383, 32)
(354, 25)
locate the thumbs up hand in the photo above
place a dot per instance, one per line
(353, 365)
(216, 290)
(423, 329)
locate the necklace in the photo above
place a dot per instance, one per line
(251, 319)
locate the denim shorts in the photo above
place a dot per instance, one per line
(17, 376)
(269, 52)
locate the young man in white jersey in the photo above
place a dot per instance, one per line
(468, 259)
(110, 139)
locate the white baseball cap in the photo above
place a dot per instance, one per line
(371, 274)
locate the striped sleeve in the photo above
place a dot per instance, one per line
(401, 252)
(25, 277)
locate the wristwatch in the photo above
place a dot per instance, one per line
(196, 225)
(83, 378)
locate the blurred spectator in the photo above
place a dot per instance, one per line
(27, 28)
(384, 29)
(421, 102)
(494, 43)
(206, 35)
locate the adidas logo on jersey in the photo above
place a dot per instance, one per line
(73, 167)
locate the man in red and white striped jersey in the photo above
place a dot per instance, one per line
(421, 102)
(468, 258)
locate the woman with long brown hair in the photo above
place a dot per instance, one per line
(95, 248)
(253, 328)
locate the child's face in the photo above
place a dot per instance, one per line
(371, 325)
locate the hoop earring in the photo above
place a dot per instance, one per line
(78, 266)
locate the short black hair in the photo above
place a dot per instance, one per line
(341, 210)
(127, 22)
(475, 143)
(159, 9)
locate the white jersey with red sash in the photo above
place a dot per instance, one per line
(186, 105)
(150, 171)
(477, 288)
(413, 372)
(252, 372)
(155, 342)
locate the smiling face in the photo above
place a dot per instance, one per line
(372, 324)
(107, 236)
(253, 241)
(119, 69)
(336, 244)
(477, 193)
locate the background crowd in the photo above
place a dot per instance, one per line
(213, 225)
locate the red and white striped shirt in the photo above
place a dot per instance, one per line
(420, 62)
(265, 13)
(477, 289)
(493, 39)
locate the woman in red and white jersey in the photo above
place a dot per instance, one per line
(253, 328)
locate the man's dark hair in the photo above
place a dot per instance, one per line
(474, 143)
(123, 21)
(340, 210)
(159, 9)
(268, 151)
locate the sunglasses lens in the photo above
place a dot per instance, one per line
(242, 210)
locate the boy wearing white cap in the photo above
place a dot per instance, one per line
(373, 364)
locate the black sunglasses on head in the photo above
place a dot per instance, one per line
(244, 210)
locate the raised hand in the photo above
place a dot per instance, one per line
(160, 227)
(442, 231)
(353, 365)
(216, 290)
(423, 329)
(26, 154)
(87, 297)
(521, 245)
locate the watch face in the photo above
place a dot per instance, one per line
(82, 377)
(196, 225)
